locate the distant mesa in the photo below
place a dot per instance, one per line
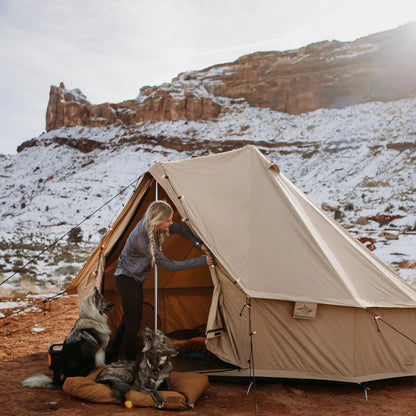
(172, 102)
(329, 74)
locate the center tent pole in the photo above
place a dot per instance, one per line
(156, 276)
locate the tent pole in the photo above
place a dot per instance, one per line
(156, 276)
(253, 382)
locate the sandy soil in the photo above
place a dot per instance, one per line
(23, 353)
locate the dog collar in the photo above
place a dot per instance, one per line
(155, 368)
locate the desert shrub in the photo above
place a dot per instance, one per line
(64, 256)
(75, 235)
(17, 265)
(28, 285)
(349, 206)
(70, 271)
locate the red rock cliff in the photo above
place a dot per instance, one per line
(330, 74)
(67, 108)
(379, 67)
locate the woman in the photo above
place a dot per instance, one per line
(143, 249)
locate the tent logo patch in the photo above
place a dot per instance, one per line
(305, 310)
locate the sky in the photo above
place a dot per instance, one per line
(109, 49)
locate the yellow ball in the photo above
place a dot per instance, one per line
(128, 404)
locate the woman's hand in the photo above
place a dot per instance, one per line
(210, 259)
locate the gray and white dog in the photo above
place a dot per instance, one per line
(84, 348)
(146, 375)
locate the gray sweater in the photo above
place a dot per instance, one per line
(136, 261)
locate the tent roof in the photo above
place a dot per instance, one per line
(271, 238)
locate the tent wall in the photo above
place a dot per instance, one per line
(341, 343)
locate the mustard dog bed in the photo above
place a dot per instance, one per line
(192, 384)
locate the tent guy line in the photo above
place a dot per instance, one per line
(53, 244)
(48, 299)
(40, 321)
(67, 233)
(379, 318)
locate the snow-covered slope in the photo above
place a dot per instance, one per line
(359, 160)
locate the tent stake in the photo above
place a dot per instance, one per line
(365, 392)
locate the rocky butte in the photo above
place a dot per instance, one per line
(329, 74)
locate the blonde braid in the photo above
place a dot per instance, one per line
(163, 235)
(151, 233)
(157, 213)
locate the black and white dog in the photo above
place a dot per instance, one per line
(84, 348)
(146, 375)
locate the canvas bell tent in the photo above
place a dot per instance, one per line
(291, 287)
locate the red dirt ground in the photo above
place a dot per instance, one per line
(23, 353)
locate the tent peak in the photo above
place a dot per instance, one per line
(247, 148)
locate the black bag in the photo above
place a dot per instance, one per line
(54, 353)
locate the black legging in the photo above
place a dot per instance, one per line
(131, 295)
